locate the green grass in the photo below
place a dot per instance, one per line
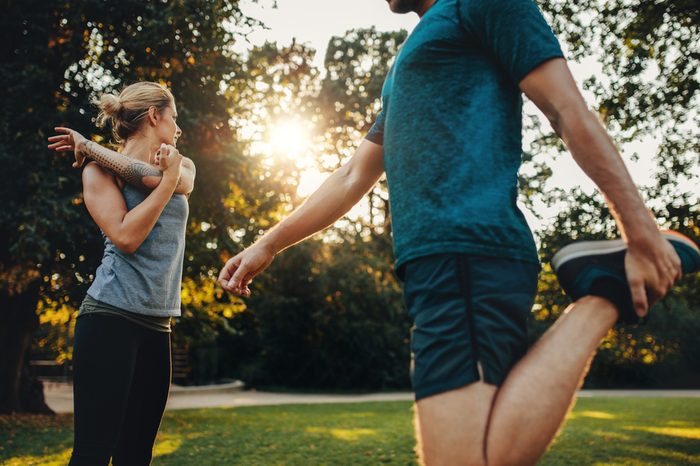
(600, 431)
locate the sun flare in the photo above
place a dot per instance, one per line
(290, 138)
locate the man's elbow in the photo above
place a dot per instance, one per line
(574, 122)
(352, 181)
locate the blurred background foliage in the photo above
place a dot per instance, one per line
(263, 128)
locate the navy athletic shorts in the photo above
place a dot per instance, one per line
(469, 318)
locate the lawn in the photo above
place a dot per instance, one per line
(600, 431)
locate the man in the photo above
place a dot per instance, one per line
(449, 139)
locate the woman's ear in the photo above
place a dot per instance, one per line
(153, 115)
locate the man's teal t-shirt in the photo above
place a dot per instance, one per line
(451, 125)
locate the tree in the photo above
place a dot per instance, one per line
(40, 224)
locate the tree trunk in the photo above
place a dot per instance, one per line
(19, 391)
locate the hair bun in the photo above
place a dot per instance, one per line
(110, 105)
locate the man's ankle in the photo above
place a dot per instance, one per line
(596, 307)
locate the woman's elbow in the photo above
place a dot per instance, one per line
(127, 245)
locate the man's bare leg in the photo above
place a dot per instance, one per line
(451, 427)
(516, 423)
(540, 389)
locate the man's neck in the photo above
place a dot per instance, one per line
(424, 7)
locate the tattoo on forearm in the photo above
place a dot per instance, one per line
(135, 172)
(130, 170)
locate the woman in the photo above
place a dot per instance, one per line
(121, 358)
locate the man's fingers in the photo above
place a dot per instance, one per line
(639, 296)
(236, 279)
(247, 280)
(676, 269)
(640, 300)
(227, 269)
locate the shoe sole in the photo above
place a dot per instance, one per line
(588, 248)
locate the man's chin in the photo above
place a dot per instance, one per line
(399, 6)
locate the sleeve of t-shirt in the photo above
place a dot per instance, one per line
(514, 31)
(376, 132)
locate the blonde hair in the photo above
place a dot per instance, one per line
(126, 111)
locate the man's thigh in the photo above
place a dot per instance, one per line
(451, 426)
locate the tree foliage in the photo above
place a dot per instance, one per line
(60, 57)
(328, 313)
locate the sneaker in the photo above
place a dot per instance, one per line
(598, 268)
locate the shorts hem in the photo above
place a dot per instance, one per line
(444, 387)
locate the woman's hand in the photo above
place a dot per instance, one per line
(70, 140)
(169, 160)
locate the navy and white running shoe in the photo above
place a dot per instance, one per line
(597, 268)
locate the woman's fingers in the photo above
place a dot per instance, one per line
(169, 156)
(172, 151)
(163, 160)
(61, 146)
(79, 160)
(61, 142)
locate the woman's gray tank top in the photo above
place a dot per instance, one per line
(148, 281)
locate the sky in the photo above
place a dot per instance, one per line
(314, 22)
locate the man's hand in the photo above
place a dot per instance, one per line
(240, 270)
(651, 268)
(69, 140)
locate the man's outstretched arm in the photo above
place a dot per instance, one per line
(652, 264)
(342, 190)
(136, 173)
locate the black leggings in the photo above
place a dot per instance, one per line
(121, 377)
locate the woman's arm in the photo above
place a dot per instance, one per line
(134, 172)
(105, 202)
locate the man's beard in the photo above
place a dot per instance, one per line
(403, 6)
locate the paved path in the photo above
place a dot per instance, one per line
(59, 396)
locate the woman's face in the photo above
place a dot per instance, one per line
(168, 131)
